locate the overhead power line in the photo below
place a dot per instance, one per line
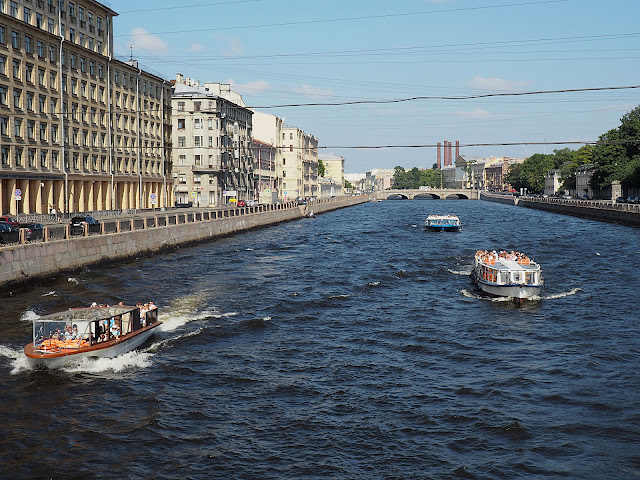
(462, 97)
(363, 17)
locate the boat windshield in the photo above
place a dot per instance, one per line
(81, 327)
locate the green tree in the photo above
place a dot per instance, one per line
(347, 184)
(320, 168)
(401, 179)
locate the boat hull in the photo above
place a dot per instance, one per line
(519, 292)
(442, 228)
(109, 349)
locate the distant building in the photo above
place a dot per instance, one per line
(268, 156)
(356, 180)
(496, 173)
(583, 180)
(299, 164)
(552, 182)
(334, 171)
(379, 179)
(212, 133)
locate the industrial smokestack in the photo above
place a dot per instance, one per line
(457, 149)
(451, 159)
(446, 153)
(439, 163)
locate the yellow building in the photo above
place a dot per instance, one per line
(80, 131)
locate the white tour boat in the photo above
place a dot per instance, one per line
(65, 337)
(443, 223)
(507, 275)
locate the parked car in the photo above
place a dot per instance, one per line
(77, 225)
(251, 203)
(8, 234)
(241, 203)
(184, 205)
(10, 220)
(33, 231)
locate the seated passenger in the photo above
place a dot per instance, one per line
(74, 333)
(115, 331)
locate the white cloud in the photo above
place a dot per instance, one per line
(495, 84)
(142, 39)
(231, 46)
(250, 87)
(196, 47)
(313, 92)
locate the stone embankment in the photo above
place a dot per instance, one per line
(622, 213)
(126, 238)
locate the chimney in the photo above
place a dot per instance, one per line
(439, 162)
(457, 148)
(451, 160)
(179, 78)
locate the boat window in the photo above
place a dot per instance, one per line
(50, 335)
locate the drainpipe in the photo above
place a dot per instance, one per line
(110, 120)
(164, 171)
(138, 136)
(62, 114)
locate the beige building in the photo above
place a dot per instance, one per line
(79, 130)
(212, 147)
(552, 182)
(333, 171)
(299, 164)
(583, 180)
(267, 154)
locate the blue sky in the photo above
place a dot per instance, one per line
(283, 52)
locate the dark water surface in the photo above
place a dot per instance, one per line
(350, 346)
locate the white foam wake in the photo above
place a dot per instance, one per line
(459, 272)
(573, 291)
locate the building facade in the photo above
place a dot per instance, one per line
(334, 171)
(267, 154)
(212, 144)
(80, 130)
(299, 164)
(551, 182)
(583, 180)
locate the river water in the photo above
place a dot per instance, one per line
(352, 345)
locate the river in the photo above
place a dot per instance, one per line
(351, 345)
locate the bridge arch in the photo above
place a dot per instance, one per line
(457, 196)
(397, 196)
(426, 196)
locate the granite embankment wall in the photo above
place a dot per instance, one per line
(604, 212)
(30, 262)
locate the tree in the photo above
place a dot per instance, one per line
(321, 168)
(347, 184)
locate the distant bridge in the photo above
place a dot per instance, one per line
(433, 194)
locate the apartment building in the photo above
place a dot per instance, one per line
(267, 155)
(79, 130)
(299, 164)
(213, 157)
(334, 170)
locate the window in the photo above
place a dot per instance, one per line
(27, 15)
(15, 40)
(17, 94)
(5, 155)
(28, 73)
(182, 179)
(54, 159)
(31, 127)
(2, 35)
(211, 124)
(43, 159)
(13, 9)
(40, 49)
(182, 160)
(82, 65)
(3, 95)
(27, 44)
(42, 103)
(39, 20)
(4, 126)
(17, 127)
(30, 101)
(197, 141)
(198, 160)
(92, 67)
(180, 106)
(197, 179)
(181, 141)
(52, 53)
(211, 141)
(181, 123)
(3, 63)
(41, 77)
(18, 156)
(51, 26)
(72, 57)
(196, 106)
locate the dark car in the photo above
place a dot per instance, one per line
(33, 231)
(10, 220)
(77, 225)
(8, 234)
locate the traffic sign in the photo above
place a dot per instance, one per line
(153, 198)
(194, 194)
(17, 194)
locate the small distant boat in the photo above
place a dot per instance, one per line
(507, 275)
(65, 337)
(443, 223)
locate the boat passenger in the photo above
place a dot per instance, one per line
(115, 331)
(74, 332)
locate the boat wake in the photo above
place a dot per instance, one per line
(53, 292)
(133, 359)
(29, 316)
(18, 361)
(573, 291)
(460, 272)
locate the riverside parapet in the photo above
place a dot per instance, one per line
(36, 261)
(624, 214)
